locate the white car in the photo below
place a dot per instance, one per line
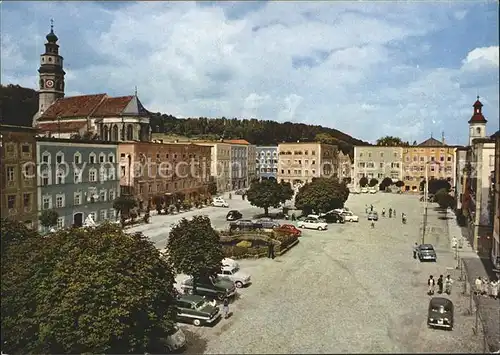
(234, 274)
(228, 262)
(364, 190)
(219, 202)
(350, 217)
(312, 223)
(176, 340)
(373, 191)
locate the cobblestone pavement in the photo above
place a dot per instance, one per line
(349, 289)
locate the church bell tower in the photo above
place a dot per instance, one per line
(51, 73)
(477, 123)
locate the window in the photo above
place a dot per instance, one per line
(77, 198)
(92, 175)
(60, 176)
(77, 158)
(11, 175)
(103, 215)
(59, 201)
(111, 173)
(441, 158)
(381, 165)
(46, 202)
(27, 202)
(102, 158)
(59, 157)
(93, 215)
(111, 195)
(60, 222)
(28, 172)
(46, 157)
(381, 154)
(45, 177)
(432, 158)
(77, 173)
(26, 149)
(11, 201)
(92, 158)
(112, 214)
(10, 149)
(111, 158)
(102, 195)
(102, 174)
(449, 158)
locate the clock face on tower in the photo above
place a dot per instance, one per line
(49, 83)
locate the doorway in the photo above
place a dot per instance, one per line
(78, 219)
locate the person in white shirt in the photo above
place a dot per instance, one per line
(447, 284)
(454, 242)
(432, 284)
(478, 283)
(494, 289)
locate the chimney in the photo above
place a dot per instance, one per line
(442, 138)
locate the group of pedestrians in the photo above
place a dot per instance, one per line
(392, 213)
(443, 284)
(485, 287)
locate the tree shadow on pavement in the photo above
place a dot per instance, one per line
(195, 344)
(444, 218)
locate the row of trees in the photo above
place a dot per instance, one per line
(386, 182)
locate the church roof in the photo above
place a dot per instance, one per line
(431, 142)
(236, 141)
(477, 116)
(99, 105)
(65, 127)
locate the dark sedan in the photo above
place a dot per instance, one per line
(244, 225)
(440, 313)
(267, 223)
(426, 252)
(233, 215)
(333, 217)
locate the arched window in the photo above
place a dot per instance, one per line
(114, 136)
(77, 158)
(105, 133)
(130, 132)
(478, 130)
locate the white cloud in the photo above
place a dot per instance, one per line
(365, 75)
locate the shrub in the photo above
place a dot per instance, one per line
(244, 244)
(284, 238)
(171, 209)
(239, 252)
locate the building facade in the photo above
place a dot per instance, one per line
(478, 200)
(176, 171)
(266, 162)
(220, 168)
(433, 155)
(345, 166)
(18, 176)
(300, 162)
(107, 118)
(252, 163)
(495, 250)
(377, 162)
(77, 179)
(239, 163)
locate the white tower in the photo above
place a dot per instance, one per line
(51, 74)
(477, 123)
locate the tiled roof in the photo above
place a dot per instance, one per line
(75, 106)
(63, 127)
(431, 142)
(236, 141)
(496, 134)
(112, 106)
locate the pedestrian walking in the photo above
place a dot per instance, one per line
(485, 286)
(447, 284)
(293, 217)
(432, 284)
(383, 212)
(454, 242)
(270, 250)
(390, 212)
(494, 289)
(415, 250)
(371, 208)
(225, 307)
(394, 213)
(440, 284)
(230, 196)
(478, 283)
(373, 224)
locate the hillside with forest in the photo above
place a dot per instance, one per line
(20, 104)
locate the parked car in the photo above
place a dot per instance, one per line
(219, 202)
(233, 215)
(373, 216)
(176, 340)
(440, 313)
(213, 288)
(426, 252)
(228, 262)
(267, 223)
(290, 228)
(340, 210)
(364, 190)
(196, 309)
(235, 275)
(333, 217)
(312, 223)
(373, 190)
(350, 217)
(244, 224)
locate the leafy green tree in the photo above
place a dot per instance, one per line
(13, 232)
(321, 195)
(268, 193)
(444, 199)
(124, 204)
(158, 201)
(390, 141)
(373, 182)
(386, 182)
(194, 248)
(212, 188)
(400, 183)
(363, 181)
(437, 184)
(86, 290)
(48, 218)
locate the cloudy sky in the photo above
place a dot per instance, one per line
(366, 68)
